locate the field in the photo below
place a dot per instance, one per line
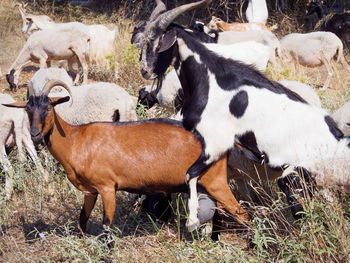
(40, 222)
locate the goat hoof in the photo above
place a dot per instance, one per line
(192, 224)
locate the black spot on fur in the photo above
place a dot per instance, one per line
(116, 116)
(231, 74)
(239, 104)
(248, 146)
(333, 128)
(194, 100)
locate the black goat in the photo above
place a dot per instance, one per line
(331, 19)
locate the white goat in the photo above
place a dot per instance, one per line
(257, 11)
(43, 75)
(342, 117)
(40, 48)
(305, 91)
(14, 125)
(102, 39)
(313, 50)
(92, 102)
(261, 36)
(249, 52)
(227, 102)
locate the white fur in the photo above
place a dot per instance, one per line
(257, 11)
(275, 120)
(313, 50)
(193, 206)
(342, 118)
(95, 102)
(14, 128)
(43, 75)
(102, 39)
(261, 36)
(40, 48)
(304, 90)
(249, 52)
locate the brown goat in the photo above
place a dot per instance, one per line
(145, 157)
(218, 24)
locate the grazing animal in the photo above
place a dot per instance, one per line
(145, 157)
(14, 128)
(218, 24)
(264, 37)
(313, 50)
(39, 48)
(99, 101)
(240, 169)
(257, 11)
(227, 102)
(102, 39)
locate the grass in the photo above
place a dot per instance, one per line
(39, 226)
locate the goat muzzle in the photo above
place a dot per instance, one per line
(147, 74)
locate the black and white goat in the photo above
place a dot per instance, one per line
(228, 103)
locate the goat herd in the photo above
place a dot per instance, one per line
(236, 124)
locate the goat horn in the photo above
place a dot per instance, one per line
(159, 8)
(30, 89)
(165, 19)
(55, 82)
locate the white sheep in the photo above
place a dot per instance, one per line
(40, 48)
(14, 128)
(313, 50)
(100, 101)
(342, 118)
(261, 36)
(102, 39)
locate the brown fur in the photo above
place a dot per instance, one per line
(218, 24)
(139, 157)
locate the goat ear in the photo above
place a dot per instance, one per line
(167, 41)
(17, 104)
(58, 100)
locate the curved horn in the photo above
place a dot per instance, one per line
(30, 89)
(165, 19)
(55, 82)
(159, 8)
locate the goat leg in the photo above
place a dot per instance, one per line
(108, 199)
(89, 203)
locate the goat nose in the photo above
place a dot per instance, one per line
(34, 134)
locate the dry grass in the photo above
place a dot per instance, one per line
(38, 227)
